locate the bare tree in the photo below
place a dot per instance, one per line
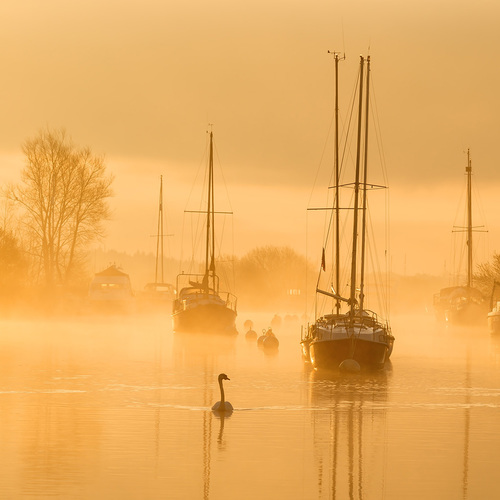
(487, 274)
(63, 193)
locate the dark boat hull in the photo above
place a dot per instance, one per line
(328, 354)
(205, 318)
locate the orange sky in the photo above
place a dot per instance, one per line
(140, 80)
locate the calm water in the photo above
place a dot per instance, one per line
(119, 407)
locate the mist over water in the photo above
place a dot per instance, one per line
(117, 406)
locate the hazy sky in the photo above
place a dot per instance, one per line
(140, 80)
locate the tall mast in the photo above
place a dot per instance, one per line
(159, 235)
(352, 298)
(365, 178)
(468, 170)
(212, 256)
(337, 179)
(209, 250)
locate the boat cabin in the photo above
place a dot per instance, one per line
(111, 285)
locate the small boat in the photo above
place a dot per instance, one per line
(494, 314)
(356, 335)
(201, 306)
(159, 291)
(111, 289)
(463, 304)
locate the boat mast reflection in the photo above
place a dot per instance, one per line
(346, 409)
(197, 357)
(207, 440)
(465, 475)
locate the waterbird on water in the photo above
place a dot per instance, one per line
(251, 334)
(222, 405)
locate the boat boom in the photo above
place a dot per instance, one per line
(332, 295)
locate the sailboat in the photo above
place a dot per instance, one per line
(200, 305)
(355, 335)
(463, 304)
(159, 290)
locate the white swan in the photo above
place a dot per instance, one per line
(222, 405)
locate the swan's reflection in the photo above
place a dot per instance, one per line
(222, 417)
(207, 444)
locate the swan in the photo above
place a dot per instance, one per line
(222, 405)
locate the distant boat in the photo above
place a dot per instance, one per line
(356, 335)
(463, 304)
(200, 306)
(111, 288)
(494, 314)
(159, 290)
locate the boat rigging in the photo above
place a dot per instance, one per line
(354, 338)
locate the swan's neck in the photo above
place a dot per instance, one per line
(222, 400)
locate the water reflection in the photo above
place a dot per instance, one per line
(197, 358)
(122, 409)
(192, 349)
(350, 409)
(207, 446)
(467, 419)
(220, 438)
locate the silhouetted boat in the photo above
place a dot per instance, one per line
(111, 289)
(200, 305)
(159, 291)
(494, 314)
(463, 304)
(357, 334)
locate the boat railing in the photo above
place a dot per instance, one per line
(193, 291)
(193, 294)
(365, 319)
(231, 301)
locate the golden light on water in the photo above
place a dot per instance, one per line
(113, 404)
(116, 406)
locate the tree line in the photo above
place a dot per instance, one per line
(53, 213)
(60, 206)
